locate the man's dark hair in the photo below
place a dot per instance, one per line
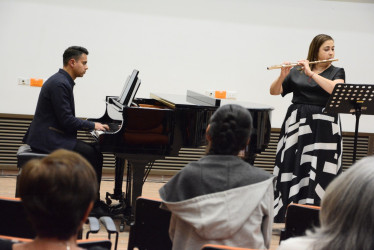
(74, 52)
(230, 129)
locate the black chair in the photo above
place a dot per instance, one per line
(24, 154)
(222, 247)
(107, 244)
(87, 243)
(299, 218)
(110, 228)
(13, 219)
(151, 227)
(94, 227)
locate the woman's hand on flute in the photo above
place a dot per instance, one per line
(305, 67)
(285, 70)
(276, 86)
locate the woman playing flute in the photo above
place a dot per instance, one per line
(309, 152)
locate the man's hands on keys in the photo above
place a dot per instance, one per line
(101, 127)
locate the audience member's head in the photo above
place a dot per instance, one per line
(58, 192)
(229, 130)
(347, 209)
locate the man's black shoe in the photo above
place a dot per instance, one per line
(100, 209)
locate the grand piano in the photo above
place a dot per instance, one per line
(152, 128)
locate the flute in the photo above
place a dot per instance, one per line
(295, 64)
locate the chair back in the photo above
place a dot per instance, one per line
(222, 247)
(104, 243)
(151, 227)
(13, 219)
(299, 218)
(88, 243)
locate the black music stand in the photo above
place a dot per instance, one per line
(355, 99)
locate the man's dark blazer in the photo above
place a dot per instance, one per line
(54, 125)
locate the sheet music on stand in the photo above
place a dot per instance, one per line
(355, 99)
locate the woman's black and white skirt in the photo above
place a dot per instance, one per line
(309, 157)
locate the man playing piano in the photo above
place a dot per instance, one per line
(55, 126)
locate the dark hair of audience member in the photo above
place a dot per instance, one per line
(229, 130)
(56, 192)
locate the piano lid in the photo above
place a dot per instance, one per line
(178, 101)
(199, 101)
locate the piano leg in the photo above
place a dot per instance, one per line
(119, 170)
(136, 174)
(134, 187)
(134, 182)
(118, 180)
(138, 170)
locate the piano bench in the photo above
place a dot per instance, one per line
(24, 154)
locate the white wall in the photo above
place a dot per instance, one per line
(178, 45)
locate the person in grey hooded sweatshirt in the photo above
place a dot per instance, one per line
(221, 199)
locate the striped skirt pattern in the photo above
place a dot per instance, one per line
(309, 156)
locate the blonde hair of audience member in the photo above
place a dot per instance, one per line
(58, 193)
(347, 210)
